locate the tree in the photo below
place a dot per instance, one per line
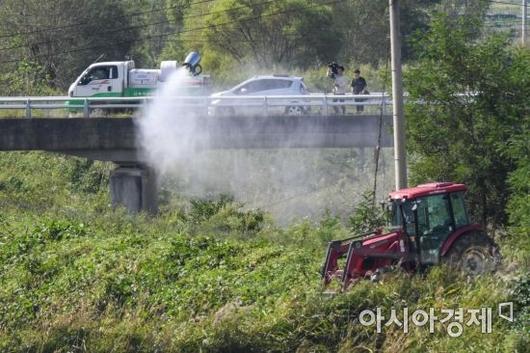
(155, 21)
(286, 33)
(367, 216)
(26, 79)
(468, 97)
(187, 19)
(364, 25)
(64, 36)
(519, 186)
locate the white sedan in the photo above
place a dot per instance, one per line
(239, 99)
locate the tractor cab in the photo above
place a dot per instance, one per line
(428, 224)
(429, 214)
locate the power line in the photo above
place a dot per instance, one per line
(51, 29)
(79, 24)
(141, 26)
(163, 35)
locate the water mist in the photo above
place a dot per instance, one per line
(289, 183)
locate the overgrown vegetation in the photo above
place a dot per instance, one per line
(206, 276)
(367, 215)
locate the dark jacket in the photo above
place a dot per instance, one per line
(358, 85)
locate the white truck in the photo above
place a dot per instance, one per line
(122, 79)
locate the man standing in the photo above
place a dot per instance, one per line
(339, 88)
(358, 86)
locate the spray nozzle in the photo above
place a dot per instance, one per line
(192, 63)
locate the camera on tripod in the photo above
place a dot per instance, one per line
(333, 69)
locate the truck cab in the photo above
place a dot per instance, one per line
(122, 79)
(105, 79)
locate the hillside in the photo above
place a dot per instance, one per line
(206, 276)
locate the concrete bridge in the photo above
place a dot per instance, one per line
(133, 182)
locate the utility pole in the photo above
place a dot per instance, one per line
(400, 163)
(523, 28)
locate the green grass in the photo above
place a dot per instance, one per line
(205, 276)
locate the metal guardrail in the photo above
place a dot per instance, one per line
(86, 105)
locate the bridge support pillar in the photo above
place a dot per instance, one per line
(135, 187)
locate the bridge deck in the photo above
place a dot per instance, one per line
(116, 138)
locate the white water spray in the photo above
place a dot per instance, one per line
(288, 183)
(167, 129)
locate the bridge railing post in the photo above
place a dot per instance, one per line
(326, 106)
(86, 109)
(266, 105)
(28, 108)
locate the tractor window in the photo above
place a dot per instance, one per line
(459, 209)
(439, 219)
(409, 221)
(423, 216)
(434, 225)
(395, 218)
(402, 215)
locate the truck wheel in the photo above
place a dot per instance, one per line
(474, 254)
(99, 113)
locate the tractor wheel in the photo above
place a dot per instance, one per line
(474, 254)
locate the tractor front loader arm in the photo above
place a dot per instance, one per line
(336, 250)
(364, 256)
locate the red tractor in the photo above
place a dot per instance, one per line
(429, 225)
